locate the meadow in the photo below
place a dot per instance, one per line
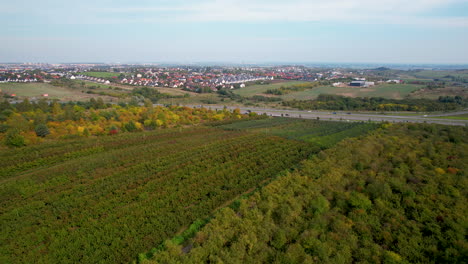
(390, 91)
(191, 99)
(71, 91)
(436, 93)
(37, 89)
(259, 89)
(100, 74)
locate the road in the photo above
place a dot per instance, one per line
(348, 116)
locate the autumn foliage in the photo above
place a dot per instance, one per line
(29, 123)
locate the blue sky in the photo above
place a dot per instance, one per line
(375, 31)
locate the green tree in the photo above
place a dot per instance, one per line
(42, 130)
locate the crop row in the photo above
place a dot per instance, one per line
(113, 204)
(323, 133)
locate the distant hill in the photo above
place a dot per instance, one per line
(382, 69)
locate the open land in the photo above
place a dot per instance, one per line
(259, 89)
(100, 74)
(38, 89)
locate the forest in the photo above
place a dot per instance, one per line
(397, 195)
(337, 102)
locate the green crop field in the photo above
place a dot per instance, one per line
(321, 133)
(100, 74)
(259, 89)
(397, 195)
(390, 91)
(107, 199)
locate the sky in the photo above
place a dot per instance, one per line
(235, 31)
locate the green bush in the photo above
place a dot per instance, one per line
(14, 139)
(41, 130)
(3, 128)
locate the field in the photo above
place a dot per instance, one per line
(390, 91)
(259, 89)
(37, 89)
(440, 74)
(192, 99)
(55, 92)
(110, 198)
(398, 195)
(100, 74)
(321, 133)
(435, 93)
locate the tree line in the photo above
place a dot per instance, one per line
(28, 122)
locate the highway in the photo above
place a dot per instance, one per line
(350, 116)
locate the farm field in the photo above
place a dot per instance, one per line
(321, 133)
(390, 91)
(99, 85)
(106, 199)
(109, 198)
(174, 91)
(100, 74)
(37, 89)
(192, 99)
(259, 89)
(397, 195)
(64, 94)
